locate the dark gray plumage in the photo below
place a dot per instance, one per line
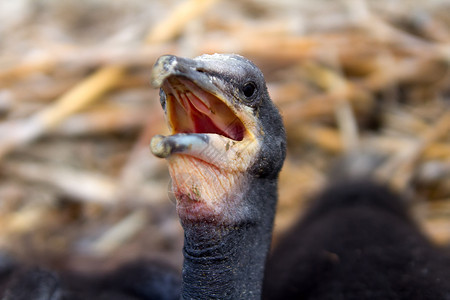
(357, 241)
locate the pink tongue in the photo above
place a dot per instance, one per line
(204, 121)
(204, 124)
(202, 118)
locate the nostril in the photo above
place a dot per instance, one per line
(201, 70)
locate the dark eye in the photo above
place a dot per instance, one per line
(249, 89)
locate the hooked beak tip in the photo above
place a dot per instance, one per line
(163, 68)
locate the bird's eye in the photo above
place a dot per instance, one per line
(249, 89)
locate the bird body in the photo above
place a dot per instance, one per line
(141, 279)
(357, 241)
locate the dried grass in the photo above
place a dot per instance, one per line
(77, 183)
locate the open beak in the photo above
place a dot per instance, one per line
(204, 120)
(215, 135)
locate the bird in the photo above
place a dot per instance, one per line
(225, 149)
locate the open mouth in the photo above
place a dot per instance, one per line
(193, 110)
(207, 120)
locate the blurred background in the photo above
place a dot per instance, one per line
(79, 188)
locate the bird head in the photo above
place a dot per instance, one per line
(225, 133)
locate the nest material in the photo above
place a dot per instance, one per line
(361, 80)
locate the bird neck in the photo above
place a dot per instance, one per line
(226, 261)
